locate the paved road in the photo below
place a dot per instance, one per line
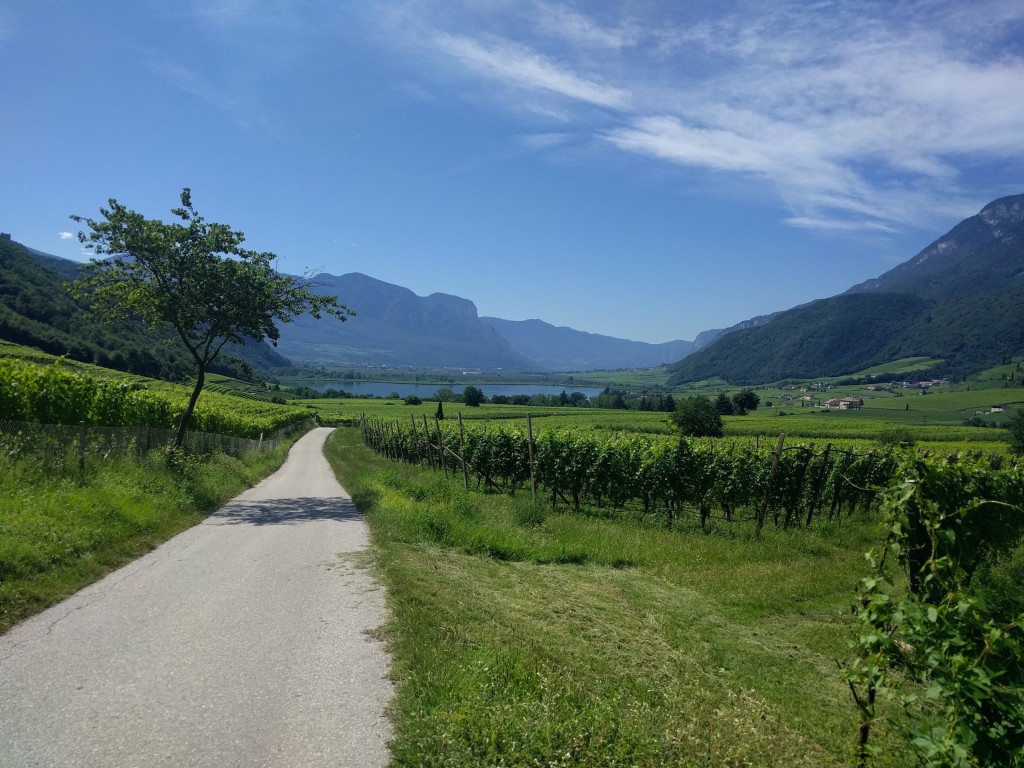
(241, 642)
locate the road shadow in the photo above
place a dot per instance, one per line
(285, 511)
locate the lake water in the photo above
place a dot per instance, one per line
(362, 388)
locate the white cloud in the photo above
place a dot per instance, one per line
(578, 29)
(65, 235)
(522, 67)
(863, 117)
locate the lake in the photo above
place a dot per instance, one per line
(362, 388)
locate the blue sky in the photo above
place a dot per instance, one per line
(642, 169)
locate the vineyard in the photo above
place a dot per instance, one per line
(50, 394)
(663, 477)
(936, 665)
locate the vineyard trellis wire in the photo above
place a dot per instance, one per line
(666, 477)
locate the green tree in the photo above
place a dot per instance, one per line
(723, 405)
(439, 413)
(444, 395)
(698, 417)
(194, 277)
(1017, 431)
(473, 396)
(745, 400)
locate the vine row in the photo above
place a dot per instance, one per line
(666, 477)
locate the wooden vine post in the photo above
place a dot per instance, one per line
(815, 501)
(763, 510)
(440, 446)
(426, 437)
(462, 451)
(529, 454)
(415, 438)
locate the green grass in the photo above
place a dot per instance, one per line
(523, 637)
(61, 529)
(865, 429)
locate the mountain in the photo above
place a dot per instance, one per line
(394, 326)
(980, 254)
(565, 349)
(36, 310)
(958, 300)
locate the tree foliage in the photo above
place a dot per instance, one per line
(698, 417)
(1017, 431)
(194, 277)
(745, 400)
(473, 396)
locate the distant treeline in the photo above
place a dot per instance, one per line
(474, 396)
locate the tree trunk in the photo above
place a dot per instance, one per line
(186, 417)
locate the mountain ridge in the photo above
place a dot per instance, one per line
(957, 300)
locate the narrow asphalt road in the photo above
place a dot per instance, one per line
(244, 641)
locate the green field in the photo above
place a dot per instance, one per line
(871, 426)
(526, 637)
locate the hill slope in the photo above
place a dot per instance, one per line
(394, 326)
(36, 310)
(566, 349)
(958, 300)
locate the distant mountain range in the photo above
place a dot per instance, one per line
(559, 348)
(394, 326)
(960, 300)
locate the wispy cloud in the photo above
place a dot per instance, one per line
(575, 28)
(65, 235)
(545, 140)
(862, 118)
(522, 67)
(190, 81)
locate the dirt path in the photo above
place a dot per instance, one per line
(241, 642)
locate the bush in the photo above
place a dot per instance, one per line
(698, 417)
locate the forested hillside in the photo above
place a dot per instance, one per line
(37, 310)
(959, 300)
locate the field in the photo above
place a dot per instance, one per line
(868, 427)
(527, 637)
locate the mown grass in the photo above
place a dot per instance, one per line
(524, 637)
(61, 528)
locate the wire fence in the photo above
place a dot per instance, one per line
(53, 442)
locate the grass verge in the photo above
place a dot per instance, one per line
(522, 637)
(62, 528)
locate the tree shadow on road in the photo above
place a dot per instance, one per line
(285, 511)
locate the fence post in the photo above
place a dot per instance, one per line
(768, 488)
(815, 501)
(415, 439)
(462, 450)
(440, 446)
(426, 436)
(529, 453)
(81, 446)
